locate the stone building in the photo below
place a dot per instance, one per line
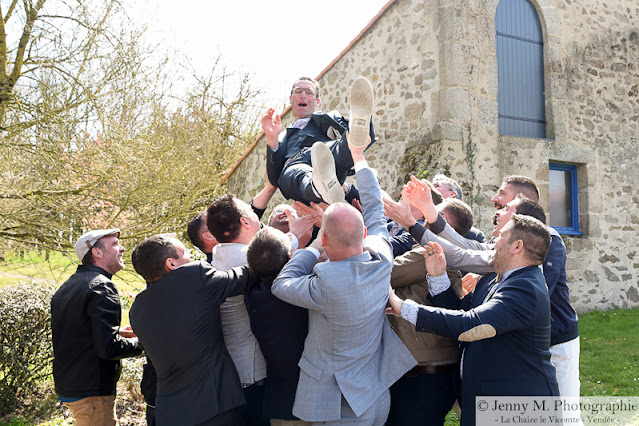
(442, 105)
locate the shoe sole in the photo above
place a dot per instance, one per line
(324, 177)
(361, 100)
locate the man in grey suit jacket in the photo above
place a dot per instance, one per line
(351, 355)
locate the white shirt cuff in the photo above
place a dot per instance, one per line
(294, 241)
(314, 251)
(362, 164)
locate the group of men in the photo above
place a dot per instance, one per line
(303, 321)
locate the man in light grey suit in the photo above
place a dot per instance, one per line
(351, 355)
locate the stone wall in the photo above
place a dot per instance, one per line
(434, 69)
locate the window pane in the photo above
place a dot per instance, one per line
(560, 198)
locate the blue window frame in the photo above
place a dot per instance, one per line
(520, 70)
(564, 198)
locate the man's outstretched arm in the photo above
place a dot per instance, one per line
(296, 284)
(275, 158)
(370, 193)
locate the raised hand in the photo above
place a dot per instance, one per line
(272, 127)
(355, 203)
(418, 193)
(435, 259)
(315, 210)
(399, 211)
(301, 227)
(357, 151)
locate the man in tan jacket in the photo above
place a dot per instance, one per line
(426, 393)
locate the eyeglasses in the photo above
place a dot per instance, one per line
(443, 185)
(299, 90)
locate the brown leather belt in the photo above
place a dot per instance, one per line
(422, 369)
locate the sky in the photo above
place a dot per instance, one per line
(274, 41)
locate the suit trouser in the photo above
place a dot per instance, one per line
(423, 400)
(565, 358)
(150, 415)
(94, 411)
(295, 179)
(375, 415)
(251, 412)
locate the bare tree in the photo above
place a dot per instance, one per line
(95, 132)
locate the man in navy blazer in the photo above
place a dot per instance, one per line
(504, 324)
(177, 319)
(280, 328)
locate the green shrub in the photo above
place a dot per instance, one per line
(25, 340)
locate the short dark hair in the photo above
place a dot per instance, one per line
(88, 258)
(268, 252)
(533, 233)
(149, 256)
(193, 230)
(528, 207)
(523, 185)
(312, 80)
(223, 218)
(459, 215)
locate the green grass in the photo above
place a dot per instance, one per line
(34, 264)
(609, 361)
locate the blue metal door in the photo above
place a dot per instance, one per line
(520, 70)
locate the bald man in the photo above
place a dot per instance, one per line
(351, 355)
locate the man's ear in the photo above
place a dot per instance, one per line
(324, 240)
(207, 235)
(365, 232)
(244, 222)
(169, 264)
(517, 247)
(97, 252)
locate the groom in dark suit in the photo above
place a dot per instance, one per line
(504, 324)
(177, 319)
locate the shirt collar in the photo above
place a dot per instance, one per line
(301, 123)
(508, 273)
(96, 269)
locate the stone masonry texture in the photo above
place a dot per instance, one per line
(433, 67)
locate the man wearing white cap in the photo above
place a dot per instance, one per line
(85, 326)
